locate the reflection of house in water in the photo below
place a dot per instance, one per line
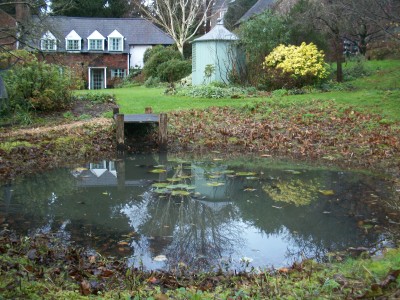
(97, 174)
(116, 173)
(215, 206)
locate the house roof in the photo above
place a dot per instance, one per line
(259, 7)
(136, 31)
(218, 33)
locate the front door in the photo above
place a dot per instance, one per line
(97, 79)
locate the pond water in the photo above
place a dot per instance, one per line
(161, 212)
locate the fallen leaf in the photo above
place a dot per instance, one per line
(327, 192)
(84, 288)
(160, 258)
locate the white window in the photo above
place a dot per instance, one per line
(117, 73)
(115, 44)
(96, 41)
(73, 45)
(73, 41)
(115, 41)
(96, 44)
(48, 42)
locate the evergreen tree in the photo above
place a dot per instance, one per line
(236, 10)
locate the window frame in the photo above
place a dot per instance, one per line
(118, 73)
(112, 43)
(97, 43)
(79, 45)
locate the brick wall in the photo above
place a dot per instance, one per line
(81, 62)
(7, 30)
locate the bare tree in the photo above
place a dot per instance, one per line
(181, 19)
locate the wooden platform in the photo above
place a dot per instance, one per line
(143, 118)
(148, 118)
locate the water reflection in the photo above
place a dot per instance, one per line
(164, 213)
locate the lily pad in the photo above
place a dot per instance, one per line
(215, 184)
(246, 174)
(294, 172)
(162, 191)
(180, 193)
(251, 178)
(174, 179)
(159, 185)
(327, 192)
(158, 171)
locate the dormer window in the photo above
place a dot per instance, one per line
(48, 42)
(115, 41)
(96, 41)
(73, 41)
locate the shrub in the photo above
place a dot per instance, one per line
(151, 51)
(35, 85)
(96, 97)
(150, 68)
(214, 92)
(173, 70)
(355, 69)
(305, 63)
(152, 82)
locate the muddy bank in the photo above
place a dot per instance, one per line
(323, 135)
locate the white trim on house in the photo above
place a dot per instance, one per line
(91, 80)
(115, 41)
(96, 41)
(73, 42)
(48, 42)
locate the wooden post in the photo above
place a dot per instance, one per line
(120, 165)
(115, 111)
(162, 132)
(148, 110)
(120, 132)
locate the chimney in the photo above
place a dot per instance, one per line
(22, 12)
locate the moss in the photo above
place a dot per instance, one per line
(9, 146)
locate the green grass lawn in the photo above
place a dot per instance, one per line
(377, 93)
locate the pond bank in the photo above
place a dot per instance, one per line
(41, 267)
(46, 269)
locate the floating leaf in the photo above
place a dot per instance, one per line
(162, 191)
(160, 258)
(215, 176)
(251, 178)
(159, 167)
(277, 207)
(80, 169)
(249, 190)
(293, 172)
(215, 184)
(180, 193)
(217, 159)
(227, 172)
(159, 185)
(123, 243)
(173, 179)
(246, 174)
(327, 192)
(158, 171)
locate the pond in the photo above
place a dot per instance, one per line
(161, 212)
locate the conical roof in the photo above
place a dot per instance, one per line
(218, 33)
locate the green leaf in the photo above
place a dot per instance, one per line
(159, 185)
(215, 184)
(246, 174)
(180, 193)
(158, 171)
(327, 192)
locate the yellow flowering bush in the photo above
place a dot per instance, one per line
(304, 63)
